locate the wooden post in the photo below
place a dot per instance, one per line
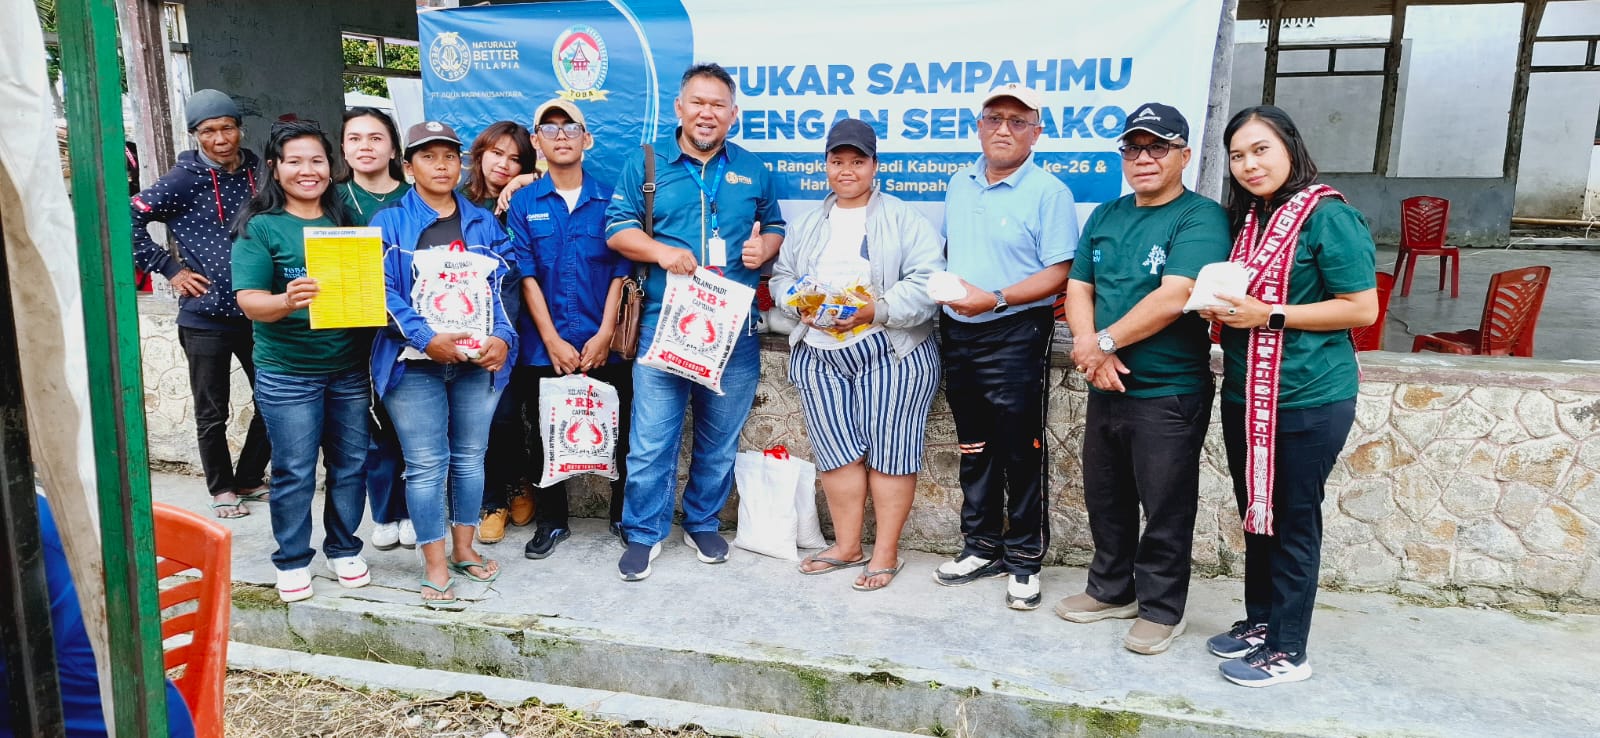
(1391, 87)
(1213, 150)
(1532, 14)
(144, 49)
(1269, 75)
(116, 389)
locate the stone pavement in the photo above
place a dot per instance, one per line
(752, 634)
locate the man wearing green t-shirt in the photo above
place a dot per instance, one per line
(1148, 365)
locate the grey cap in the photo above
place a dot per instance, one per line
(204, 105)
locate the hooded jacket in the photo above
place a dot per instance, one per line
(197, 202)
(402, 225)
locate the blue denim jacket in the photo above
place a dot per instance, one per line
(402, 225)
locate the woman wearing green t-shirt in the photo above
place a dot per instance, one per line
(373, 179)
(312, 386)
(1289, 380)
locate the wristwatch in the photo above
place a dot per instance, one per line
(1000, 303)
(1277, 319)
(1107, 343)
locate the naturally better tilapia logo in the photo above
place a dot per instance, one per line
(580, 60)
(452, 57)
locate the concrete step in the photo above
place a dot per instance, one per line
(616, 706)
(752, 634)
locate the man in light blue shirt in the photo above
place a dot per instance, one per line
(1011, 231)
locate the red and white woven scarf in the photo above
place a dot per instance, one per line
(1267, 258)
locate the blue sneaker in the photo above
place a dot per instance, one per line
(708, 545)
(1264, 667)
(635, 562)
(1238, 641)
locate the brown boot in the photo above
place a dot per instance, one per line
(522, 506)
(1081, 608)
(492, 528)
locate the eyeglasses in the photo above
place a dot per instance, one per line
(1158, 150)
(1017, 125)
(550, 130)
(213, 132)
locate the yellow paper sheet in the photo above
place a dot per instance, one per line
(348, 266)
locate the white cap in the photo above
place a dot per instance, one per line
(1024, 94)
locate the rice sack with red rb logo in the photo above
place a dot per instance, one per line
(702, 315)
(453, 293)
(578, 420)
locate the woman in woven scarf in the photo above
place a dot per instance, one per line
(1289, 380)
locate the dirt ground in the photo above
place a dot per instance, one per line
(274, 705)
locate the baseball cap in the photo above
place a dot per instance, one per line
(855, 134)
(1162, 121)
(428, 132)
(1020, 92)
(566, 106)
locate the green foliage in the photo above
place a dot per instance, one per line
(361, 51)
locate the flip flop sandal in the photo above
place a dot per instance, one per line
(235, 505)
(261, 494)
(870, 573)
(445, 589)
(833, 564)
(461, 567)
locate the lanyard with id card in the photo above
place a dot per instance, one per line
(716, 248)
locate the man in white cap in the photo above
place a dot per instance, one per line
(1149, 369)
(1012, 229)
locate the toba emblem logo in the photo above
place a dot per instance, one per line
(450, 57)
(580, 63)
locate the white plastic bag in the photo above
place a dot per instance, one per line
(1226, 277)
(452, 292)
(777, 503)
(702, 316)
(578, 421)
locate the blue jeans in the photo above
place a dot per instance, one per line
(386, 486)
(305, 413)
(660, 403)
(441, 413)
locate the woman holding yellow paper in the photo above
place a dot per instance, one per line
(311, 385)
(867, 377)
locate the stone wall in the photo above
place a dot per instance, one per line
(1465, 480)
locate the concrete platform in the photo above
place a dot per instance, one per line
(1566, 329)
(752, 634)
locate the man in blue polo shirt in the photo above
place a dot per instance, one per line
(717, 207)
(1011, 231)
(571, 283)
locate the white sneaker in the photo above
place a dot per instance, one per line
(967, 569)
(1022, 592)
(408, 534)
(385, 536)
(351, 571)
(294, 585)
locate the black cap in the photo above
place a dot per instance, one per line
(1162, 121)
(855, 134)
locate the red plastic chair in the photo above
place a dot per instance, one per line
(184, 541)
(1370, 337)
(1423, 221)
(1510, 314)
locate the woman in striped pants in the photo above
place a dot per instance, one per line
(866, 382)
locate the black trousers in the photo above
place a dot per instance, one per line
(1143, 453)
(550, 503)
(210, 354)
(994, 375)
(1280, 571)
